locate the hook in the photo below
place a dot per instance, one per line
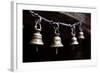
(57, 29)
(73, 31)
(38, 22)
(80, 26)
(56, 51)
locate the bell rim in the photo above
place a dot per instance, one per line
(34, 43)
(76, 43)
(57, 45)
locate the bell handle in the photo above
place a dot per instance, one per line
(38, 22)
(57, 29)
(73, 31)
(80, 27)
(56, 50)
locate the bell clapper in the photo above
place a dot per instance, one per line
(37, 49)
(56, 50)
(73, 48)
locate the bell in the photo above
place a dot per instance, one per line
(74, 41)
(56, 39)
(56, 42)
(81, 35)
(37, 39)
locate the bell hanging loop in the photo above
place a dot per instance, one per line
(38, 24)
(56, 39)
(37, 37)
(57, 30)
(74, 39)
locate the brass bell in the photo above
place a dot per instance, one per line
(74, 41)
(37, 37)
(81, 35)
(56, 39)
(56, 42)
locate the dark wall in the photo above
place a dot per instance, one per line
(45, 52)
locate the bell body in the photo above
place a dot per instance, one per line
(74, 41)
(81, 35)
(56, 42)
(37, 39)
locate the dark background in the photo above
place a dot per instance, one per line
(46, 53)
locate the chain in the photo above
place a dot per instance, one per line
(51, 21)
